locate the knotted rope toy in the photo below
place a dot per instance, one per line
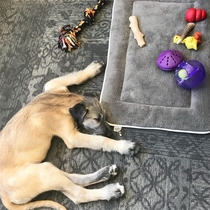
(67, 39)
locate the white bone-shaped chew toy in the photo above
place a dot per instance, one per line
(138, 35)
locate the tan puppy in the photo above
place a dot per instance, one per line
(26, 139)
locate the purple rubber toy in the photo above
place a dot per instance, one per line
(190, 74)
(169, 59)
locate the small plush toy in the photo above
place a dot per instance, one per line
(190, 41)
(67, 39)
(195, 15)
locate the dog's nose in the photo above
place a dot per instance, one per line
(109, 132)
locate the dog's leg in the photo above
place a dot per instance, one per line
(80, 140)
(33, 179)
(75, 78)
(82, 195)
(101, 175)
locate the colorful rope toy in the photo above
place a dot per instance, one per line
(67, 39)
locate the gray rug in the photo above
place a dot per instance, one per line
(172, 170)
(136, 92)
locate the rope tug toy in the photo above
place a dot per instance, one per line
(67, 39)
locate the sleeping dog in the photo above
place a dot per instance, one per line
(26, 139)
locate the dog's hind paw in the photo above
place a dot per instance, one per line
(113, 191)
(113, 170)
(107, 172)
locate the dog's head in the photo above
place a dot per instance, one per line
(91, 117)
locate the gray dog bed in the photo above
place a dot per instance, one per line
(136, 93)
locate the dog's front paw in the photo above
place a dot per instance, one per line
(96, 67)
(101, 63)
(128, 147)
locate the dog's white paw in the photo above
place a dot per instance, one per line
(113, 191)
(113, 170)
(107, 172)
(126, 147)
(96, 67)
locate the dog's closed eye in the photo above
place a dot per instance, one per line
(98, 118)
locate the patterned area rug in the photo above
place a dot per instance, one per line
(172, 170)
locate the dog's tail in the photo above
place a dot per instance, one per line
(33, 205)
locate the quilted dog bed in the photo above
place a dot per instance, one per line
(136, 93)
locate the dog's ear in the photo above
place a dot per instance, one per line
(78, 112)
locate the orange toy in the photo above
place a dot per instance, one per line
(190, 41)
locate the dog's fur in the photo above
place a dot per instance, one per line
(26, 138)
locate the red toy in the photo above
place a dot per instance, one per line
(195, 15)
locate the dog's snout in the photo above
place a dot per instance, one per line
(109, 132)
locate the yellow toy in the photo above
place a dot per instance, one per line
(190, 41)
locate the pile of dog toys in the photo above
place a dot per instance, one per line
(68, 35)
(188, 74)
(192, 15)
